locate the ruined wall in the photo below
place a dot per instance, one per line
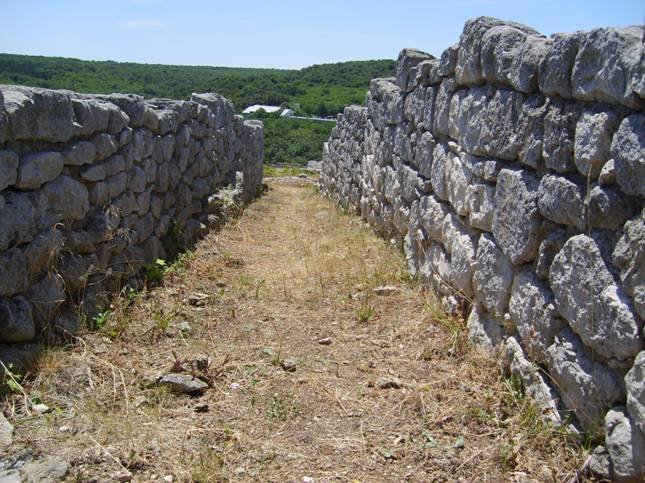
(92, 187)
(512, 169)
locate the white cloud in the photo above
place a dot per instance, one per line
(142, 24)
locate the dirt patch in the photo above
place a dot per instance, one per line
(314, 375)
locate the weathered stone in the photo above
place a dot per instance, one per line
(562, 201)
(408, 59)
(483, 330)
(626, 446)
(114, 165)
(94, 173)
(448, 61)
(535, 386)
(458, 178)
(21, 217)
(438, 174)
(608, 208)
(516, 223)
(42, 251)
(40, 114)
(629, 257)
(635, 386)
(79, 153)
(137, 180)
(493, 276)
(557, 64)
(461, 245)
(67, 199)
(432, 214)
(559, 136)
(597, 310)
(16, 321)
(105, 145)
(530, 130)
(549, 248)
(8, 169)
(38, 168)
(117, 184)
(609, 66)
(222, 109)
(441, 118)
(480, 205)
(532, 309)
(607, 175)
(627, 149)
(13, 272)
(592, 144)
(588, 388)
(49, 469)
(46, 296)
(74, 270)
(183, 383)
(6, 436)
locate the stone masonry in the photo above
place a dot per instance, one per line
(92, 187)
(512, 171)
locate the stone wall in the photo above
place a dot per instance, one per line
(512, 171)
(92, 187)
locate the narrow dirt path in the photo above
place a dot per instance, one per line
(315, 376)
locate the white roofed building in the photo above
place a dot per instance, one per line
(268, 109)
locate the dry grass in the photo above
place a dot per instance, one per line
(290, 271)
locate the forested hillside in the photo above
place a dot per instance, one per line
(320, 89)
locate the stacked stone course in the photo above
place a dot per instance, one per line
(92, 187)
(512, 170)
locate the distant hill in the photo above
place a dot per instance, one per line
(320, 89)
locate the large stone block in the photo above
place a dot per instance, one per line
(461, 244)
(39, 114)
(594, 133)
(627, 149)
(596, 308)
(493, 277)
(517, 221)
(532, 309)
(557, 64)
(587, 388)
(407, 61)
(635, 386)
(626, 446)
(629, 257)
(38, 168)
(8, 169)
(13, 272)
(79, 153)
(562, 201)
(67, 199)
(609, 66)
(480, 205)
(559, 136)
(484, 331)
(16, 321)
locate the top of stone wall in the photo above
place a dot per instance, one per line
(602, 65)
(56, 116)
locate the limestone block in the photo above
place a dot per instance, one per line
(484, 331)
(38, 114)
(458, 178)
(627, 149)
(117, 184)
(45, 297)
(493, 276)
(562, 201)
(94, 173)
(438, 173)
(13, 272)
(461, 244)
(38, 168)
(124, 137)
(143, 202)
(530, 130)
(532, 309)
(629, 257)
(21, 217)
(67, 199)
(105, 145)
(559, 136)
(8, 168)
(448, 61)
(42, 251)
(587, 388)
(609, 66)
(549, 248)
(535, 386)
(16, 320)
(626, 446)
(635, 386)
(480, 205)
(408, 59)
(592, 146)
(608, 208)
(131, 104)
(557, 64)
(596, 308)
(432, 214)
(137, 179)
(516, 223)
(221, 108)
(441, 118)
(74, 270)
(607, 175)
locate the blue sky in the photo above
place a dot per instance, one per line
(275, 33)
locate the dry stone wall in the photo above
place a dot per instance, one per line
(512, 170)
(92, 187)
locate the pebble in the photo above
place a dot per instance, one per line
(325, 341)
(123, 476)
(202, 408)
(385, 290)
(183, 383)
(389, 383)
(288, 365)
(40, 408)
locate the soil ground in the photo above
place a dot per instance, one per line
(395, 392)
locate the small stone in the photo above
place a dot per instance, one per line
(325, 341)
(239, 470)
(234, 386)
(123, 476)
(389, 383)
(386, 290)
(198, 299)
(41, 408)
(168, 479)
(183, 383)
(202, 408)
(49, 468)
(184, 326)
(288, 365)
